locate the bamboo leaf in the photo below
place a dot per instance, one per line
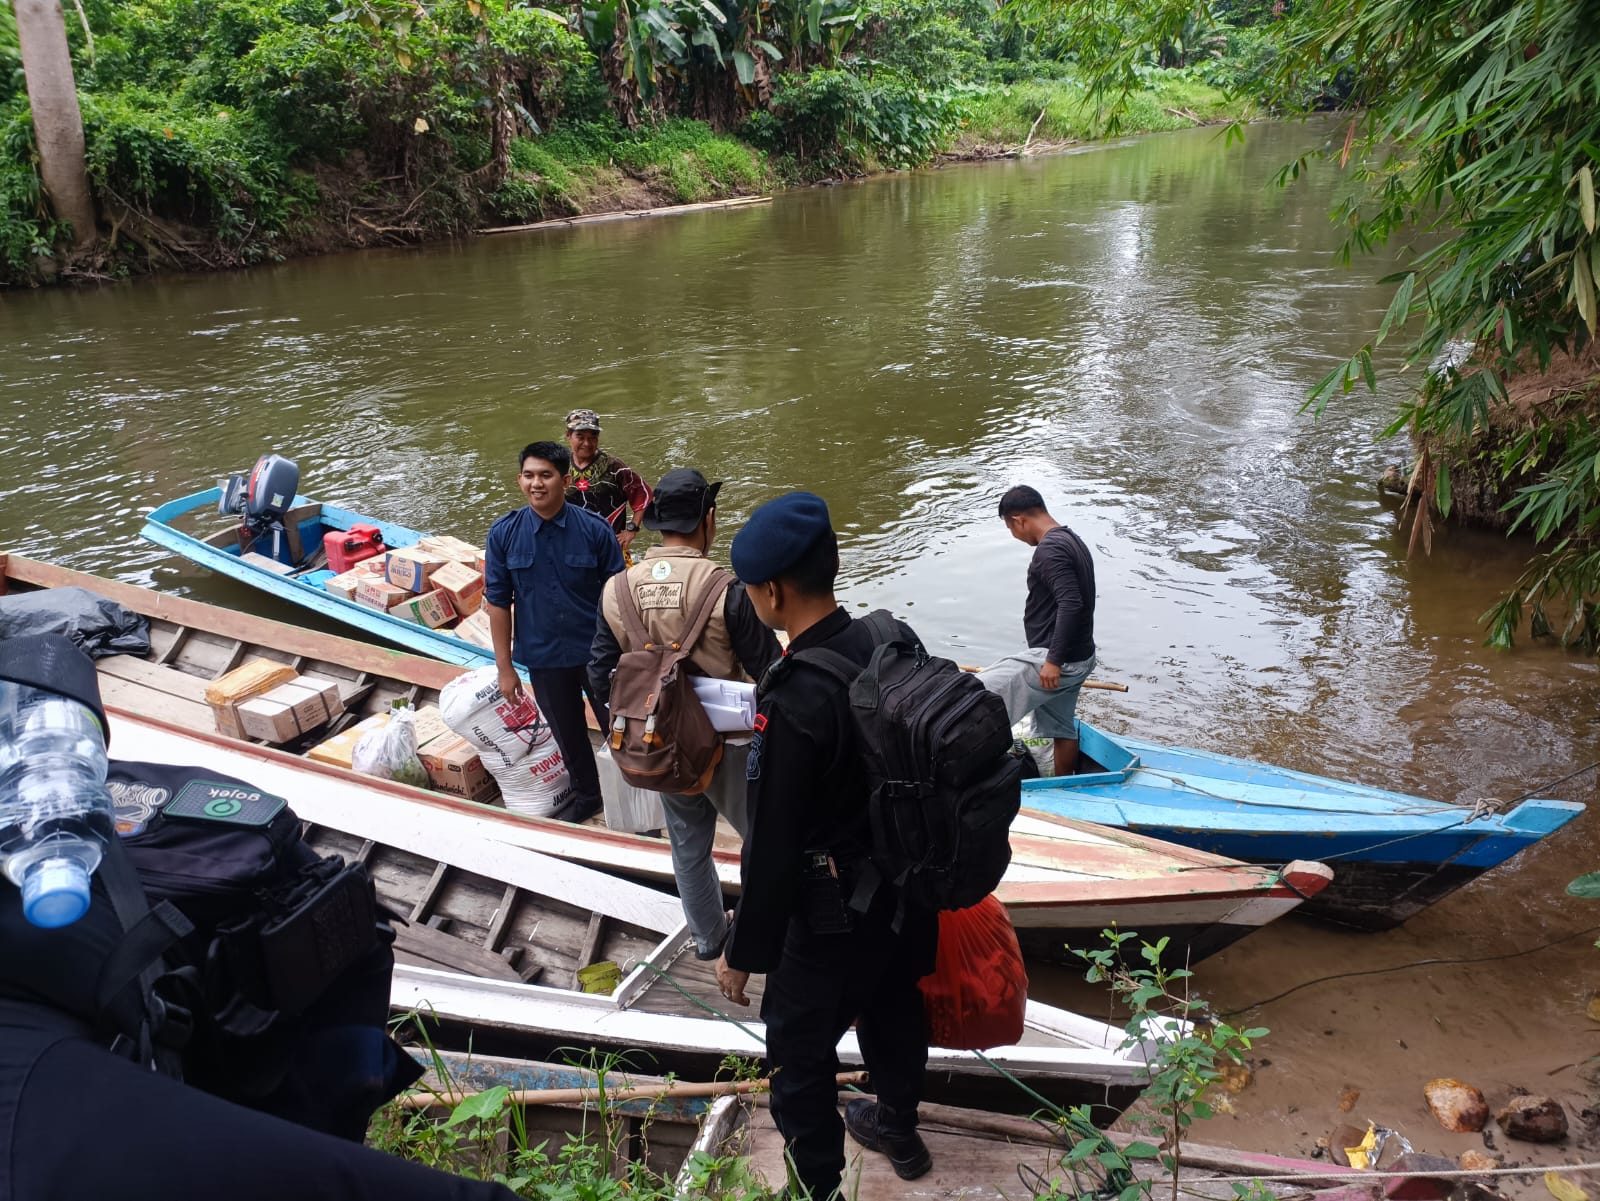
(1586, 198)
(1399, 307)
(1587, 887)
(1583, 290)
(1441, 491)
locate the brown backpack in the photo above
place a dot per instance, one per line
(661, 738)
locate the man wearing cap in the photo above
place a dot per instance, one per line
(1058, 619)
(828, 965)
(669, 585)
(603, 484)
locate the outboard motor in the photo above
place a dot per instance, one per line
(263, 498)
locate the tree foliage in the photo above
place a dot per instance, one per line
(1476, 123)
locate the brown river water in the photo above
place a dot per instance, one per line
(1132, 329)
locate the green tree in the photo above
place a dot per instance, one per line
(57, 123)
(1476, 122)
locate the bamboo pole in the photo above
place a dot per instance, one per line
(665, 210)
(613, 1096)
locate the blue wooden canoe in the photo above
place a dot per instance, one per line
(220, 552)
(1392, 854)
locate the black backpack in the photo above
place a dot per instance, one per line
(944, 785)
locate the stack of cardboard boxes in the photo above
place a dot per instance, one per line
(270, 701)
(438, 583)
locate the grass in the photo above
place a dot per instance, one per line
(1002, 115)
(599, 165)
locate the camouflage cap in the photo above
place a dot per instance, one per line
(583, 419)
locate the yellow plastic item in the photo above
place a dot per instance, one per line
(1361, 1156)
(602, 977)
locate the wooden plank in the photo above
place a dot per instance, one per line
(168, 680)
(179, 641)
(591, 940)
(436, 948)
(260, 631)
(127, 696)
(430, 892)
(502, 917)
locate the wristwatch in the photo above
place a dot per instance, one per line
(629, 525)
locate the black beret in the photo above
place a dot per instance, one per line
(777, 535)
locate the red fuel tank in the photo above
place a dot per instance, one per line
(346, 548)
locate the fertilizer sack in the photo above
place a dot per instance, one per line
(513, 740)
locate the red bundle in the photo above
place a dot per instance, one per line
(978, 991)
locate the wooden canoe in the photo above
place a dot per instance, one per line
(497, 935)
(1068, 880)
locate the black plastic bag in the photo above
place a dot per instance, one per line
(97, 624)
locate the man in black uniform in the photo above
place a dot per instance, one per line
(828, 962)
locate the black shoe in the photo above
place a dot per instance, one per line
(577, 810)
(907, 1153)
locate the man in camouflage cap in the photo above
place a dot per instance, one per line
(601, 483)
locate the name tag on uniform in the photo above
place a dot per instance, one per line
(667, 595)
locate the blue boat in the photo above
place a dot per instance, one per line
(299, 580)
(1392, 855)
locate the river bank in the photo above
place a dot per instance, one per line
(597, 167)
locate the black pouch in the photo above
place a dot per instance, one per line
(822, 895)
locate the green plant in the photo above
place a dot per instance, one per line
(1185, 1048)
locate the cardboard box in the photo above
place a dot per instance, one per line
(455, 767)
(411, 567)
(285, 713)
(340, 749)
(430, 724)
(475, 629)
(330, 693)
(372, 565)
(453, 549)
(431, 609)
(245, 681)
(345, 585)
(378, 593)
(462, 585)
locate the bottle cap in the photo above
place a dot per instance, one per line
(55, 892)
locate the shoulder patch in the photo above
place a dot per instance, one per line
(218, 801)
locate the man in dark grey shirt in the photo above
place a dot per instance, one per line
(1058, 620)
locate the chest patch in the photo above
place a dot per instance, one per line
(208, 800)
(661, 596)
(661, 570)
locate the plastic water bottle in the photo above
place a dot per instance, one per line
(56, 816)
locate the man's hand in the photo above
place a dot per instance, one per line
(732, 982)
(1050, 676)
(625, 539)
(510, 685)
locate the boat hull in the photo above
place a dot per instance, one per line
(1393, 855)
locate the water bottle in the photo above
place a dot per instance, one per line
(56, 816)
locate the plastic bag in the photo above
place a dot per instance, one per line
(978, 993)
(1042, 749)
(390, 752)
(97, 624)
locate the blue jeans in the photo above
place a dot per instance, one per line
(692, 827)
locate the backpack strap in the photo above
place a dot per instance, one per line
(720, 581)
(138, 960)
(632, 618)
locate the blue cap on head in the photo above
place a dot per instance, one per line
(777, 535)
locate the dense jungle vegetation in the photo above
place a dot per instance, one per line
(225, 132)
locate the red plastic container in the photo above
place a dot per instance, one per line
(346, 548)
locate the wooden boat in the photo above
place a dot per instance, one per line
(218, 549)
(497, 936)
(1393, 855)
(979, 1156)
(1068, 880)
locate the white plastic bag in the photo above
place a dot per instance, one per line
(390, 752)
(1042, 749)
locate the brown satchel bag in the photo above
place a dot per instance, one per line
(661, 738)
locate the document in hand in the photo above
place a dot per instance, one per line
(730, 704)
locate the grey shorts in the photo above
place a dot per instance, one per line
(1015, 679)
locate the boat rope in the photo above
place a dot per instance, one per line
(711, 1009)
(1400, 967)
(1352, 1174)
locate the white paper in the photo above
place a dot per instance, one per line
(730, 704)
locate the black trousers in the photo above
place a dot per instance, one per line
(77, 1122)
(823, 983)
(559, 693)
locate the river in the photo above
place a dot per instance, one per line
(1132, 329)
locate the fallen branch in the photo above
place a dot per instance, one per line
(613, 1096)
(1033, 130)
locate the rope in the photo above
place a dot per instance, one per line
(1400, 967)
(711, 1009)
(1353, 1174)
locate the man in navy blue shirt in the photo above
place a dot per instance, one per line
(550, 562)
